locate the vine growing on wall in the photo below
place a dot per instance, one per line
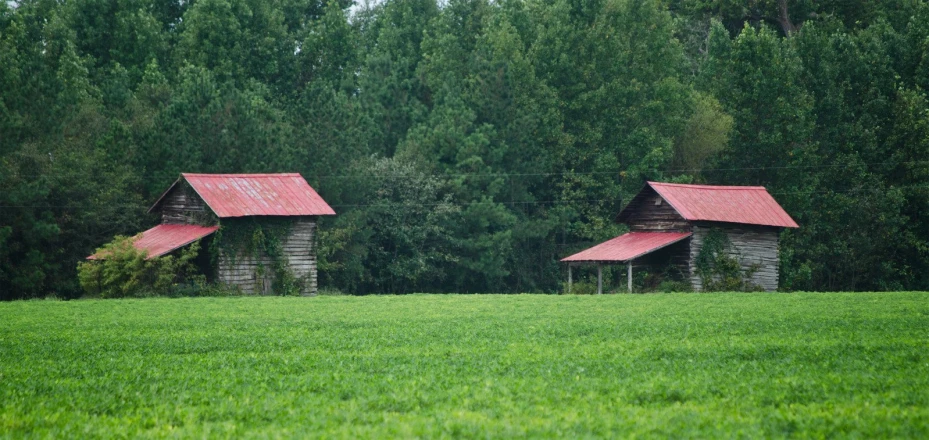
(718, 270)
(260, 240)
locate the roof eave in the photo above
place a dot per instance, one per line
(158, 202)
(276, 215)
(623, 216)
(793, 224)
(678, 211)
(566, 259)
(149, 257)
(207, 202)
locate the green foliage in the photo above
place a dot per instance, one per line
(329, 50)
(719, 269)
(674, 286)
(406, 231)
(581, 288)
(804, 365)
(705, 135)
(260, 239)
(537, 120)
(237, 40)
(122, 271)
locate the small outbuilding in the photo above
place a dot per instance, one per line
(671, 224)
(261, 228)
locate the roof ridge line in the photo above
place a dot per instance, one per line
(241, 174)
(710, 187)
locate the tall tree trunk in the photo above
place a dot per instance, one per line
(783, 17)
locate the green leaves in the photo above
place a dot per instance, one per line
(396, 235)
(259, 240)
(705, 135)
(537, 119)
(329, 50)
(664, 365)
(121, 271)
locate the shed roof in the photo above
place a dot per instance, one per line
(628, 246)
(162, 239)
(751, 205)
(243, 195)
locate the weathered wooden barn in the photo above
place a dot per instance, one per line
(670, 224)
(263, 225)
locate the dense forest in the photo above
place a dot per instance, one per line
(467, 145)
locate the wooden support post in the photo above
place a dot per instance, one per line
(629, 275)
(569, 277)
(599, 279)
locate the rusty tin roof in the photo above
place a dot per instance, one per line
(243, 195)
(751, 205)
(627, 246)
(162, 239)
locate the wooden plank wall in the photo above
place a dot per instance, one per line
(299, 249)
(749, 245)
(185, 207)
(649, 212)
(301, 252)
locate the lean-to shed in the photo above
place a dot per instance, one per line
(670, 223)
(263, 227)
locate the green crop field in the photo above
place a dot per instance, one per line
(679, 365)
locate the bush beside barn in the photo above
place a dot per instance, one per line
(258, 230)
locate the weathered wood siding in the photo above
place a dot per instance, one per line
(750, 245)
(649, 212)
(183, 206)
(300, 248)
(255, 274)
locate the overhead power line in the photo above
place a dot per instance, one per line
(491, 202)
(539, 174)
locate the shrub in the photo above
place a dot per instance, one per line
(580, 288)
(121, 271)
(670, 286)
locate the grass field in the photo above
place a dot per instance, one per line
(681, 365)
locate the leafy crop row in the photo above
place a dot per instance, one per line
(681, 365)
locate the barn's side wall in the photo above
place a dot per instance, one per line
(649, 212)
(750, 245)
(299, 249)
(183, 206)
(301, 252)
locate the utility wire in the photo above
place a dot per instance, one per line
(554, 173)
(383, 205)
(531, 202)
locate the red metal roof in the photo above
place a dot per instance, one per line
(734, 204)
(628, 246)
(242, 195)
(165, 238)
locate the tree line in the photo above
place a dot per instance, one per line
(467, 145)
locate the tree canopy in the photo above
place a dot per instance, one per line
(467, 145)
